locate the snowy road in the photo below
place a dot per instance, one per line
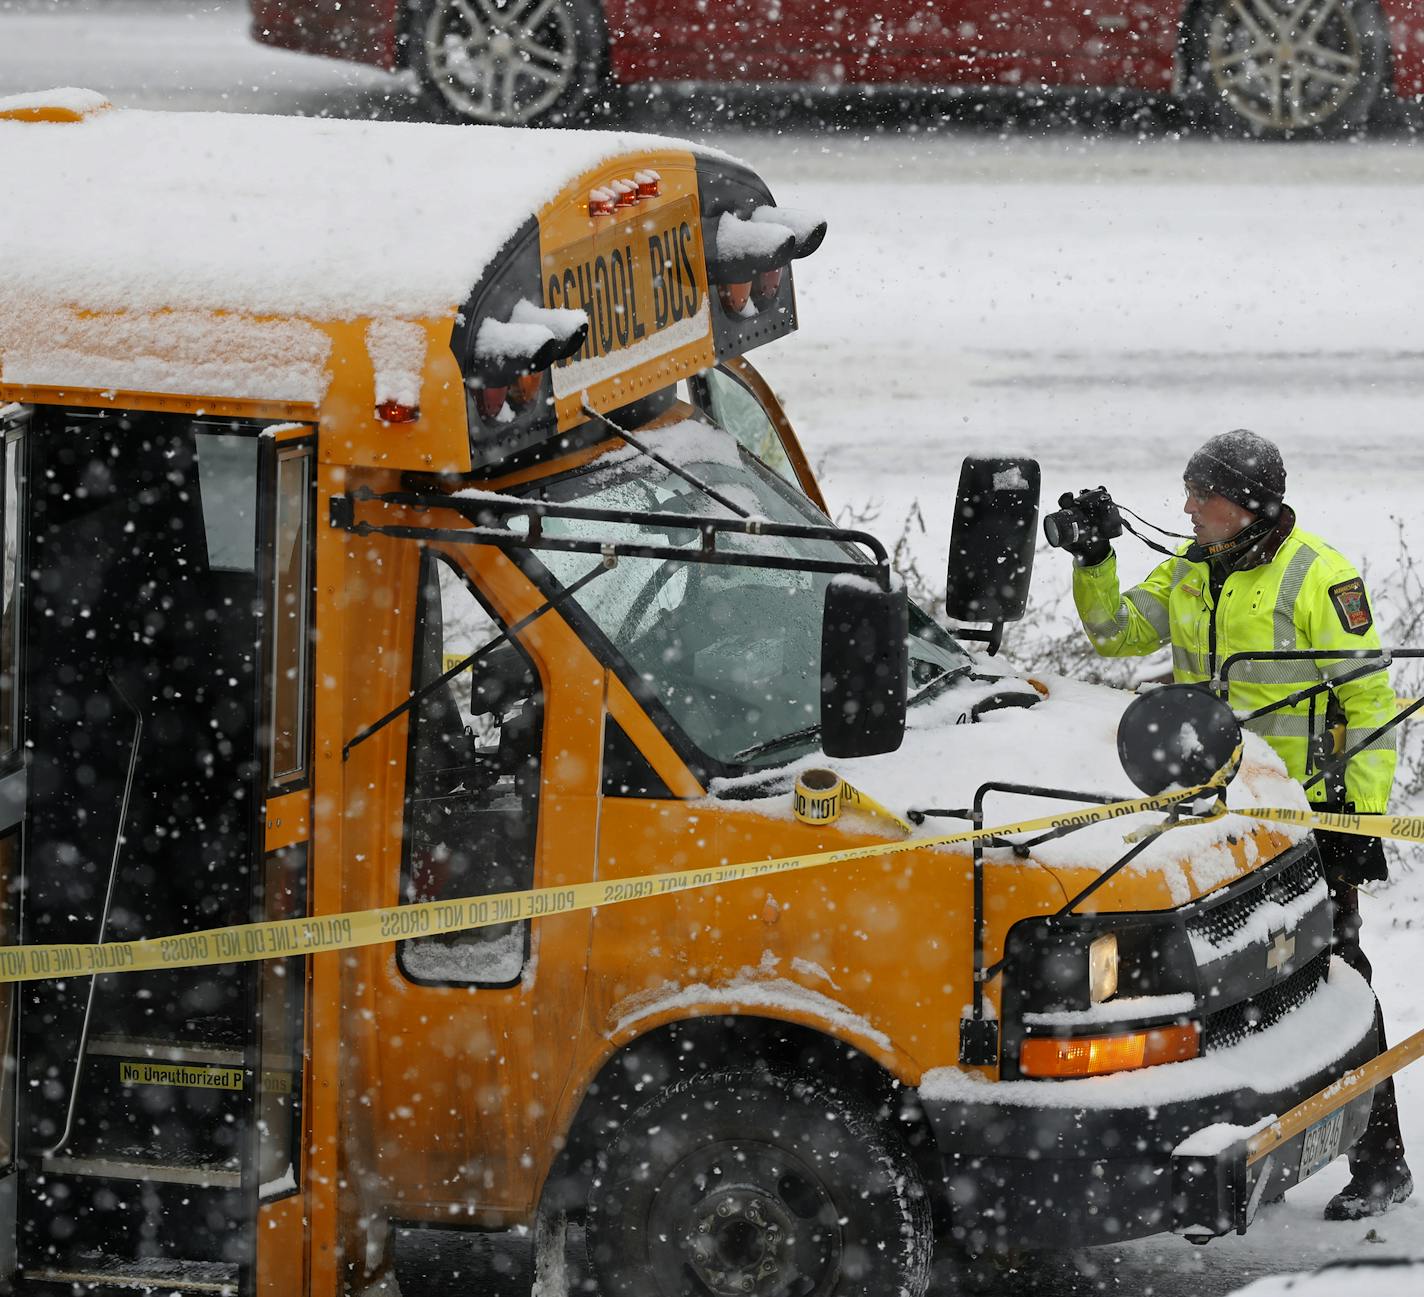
(1101, 302)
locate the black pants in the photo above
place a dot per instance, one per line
(1381, 1146)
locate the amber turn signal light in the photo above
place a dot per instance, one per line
(767, 283)
(735, 296)
(1095, 1055)
(524, 388)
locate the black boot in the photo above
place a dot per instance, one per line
(1379, 1176)
(1371, 1192)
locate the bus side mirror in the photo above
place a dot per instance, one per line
(1177, 736)
(865, 666)
(991, 546)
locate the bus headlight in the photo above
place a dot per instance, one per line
(1102, 968)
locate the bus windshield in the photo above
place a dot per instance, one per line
(732, 652)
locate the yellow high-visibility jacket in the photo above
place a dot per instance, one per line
(1306, 596)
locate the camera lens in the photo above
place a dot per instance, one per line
(1061, 528)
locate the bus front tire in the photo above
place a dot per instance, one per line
(755, 1181)
(523, 63)
(1254, 72)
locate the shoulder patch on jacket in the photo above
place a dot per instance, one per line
(1351, 605)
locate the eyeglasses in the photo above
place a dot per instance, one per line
(1199, 494)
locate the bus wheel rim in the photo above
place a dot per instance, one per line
(746, 1220)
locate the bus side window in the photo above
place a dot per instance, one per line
(733, 408)
(291, 614)
(473, 800)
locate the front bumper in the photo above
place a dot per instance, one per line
(1057, 1164)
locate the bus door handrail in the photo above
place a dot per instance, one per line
(68, 1131)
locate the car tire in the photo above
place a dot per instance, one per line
(758, 1182)
(1253, 72)
(520, 63)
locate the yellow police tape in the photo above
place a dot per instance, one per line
(821, 795)
(275, 940)
(1400, 828)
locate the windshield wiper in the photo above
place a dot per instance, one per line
(424, 692)
(930, 690)
(666, 463)
(810, 731)
(783, 741)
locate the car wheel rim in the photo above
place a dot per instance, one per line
(502, 61)
(1284, 65)
(738, 1219)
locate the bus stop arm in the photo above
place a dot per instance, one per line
(1218, 1191)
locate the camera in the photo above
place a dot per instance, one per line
(1083, 517)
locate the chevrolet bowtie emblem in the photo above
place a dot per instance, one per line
(1281, 949)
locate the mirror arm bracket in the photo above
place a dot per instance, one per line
(993, 636)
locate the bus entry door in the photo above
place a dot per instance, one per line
(143, 632)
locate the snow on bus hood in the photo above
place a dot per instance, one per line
(1067, 741)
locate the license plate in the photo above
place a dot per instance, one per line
(1321, 1143)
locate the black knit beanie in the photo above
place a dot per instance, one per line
(1245, 468)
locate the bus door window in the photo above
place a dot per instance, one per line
(472, 806)
(284, 867)
(291, 611)
(227, 469)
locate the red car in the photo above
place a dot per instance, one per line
(1275, 68)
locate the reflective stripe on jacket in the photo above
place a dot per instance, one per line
(1284, 603)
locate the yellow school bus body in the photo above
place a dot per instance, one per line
(451, 1105)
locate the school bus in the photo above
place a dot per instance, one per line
(391, 514)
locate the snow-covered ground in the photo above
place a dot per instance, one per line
(1101, 302)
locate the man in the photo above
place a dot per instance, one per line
(1252, 581)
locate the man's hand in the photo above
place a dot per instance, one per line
(1091, 545)
(1093, 549)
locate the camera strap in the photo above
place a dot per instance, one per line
(1252, 534)
(1225, 550)
(1148, 541)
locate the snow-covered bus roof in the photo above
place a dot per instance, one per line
(133, 211)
